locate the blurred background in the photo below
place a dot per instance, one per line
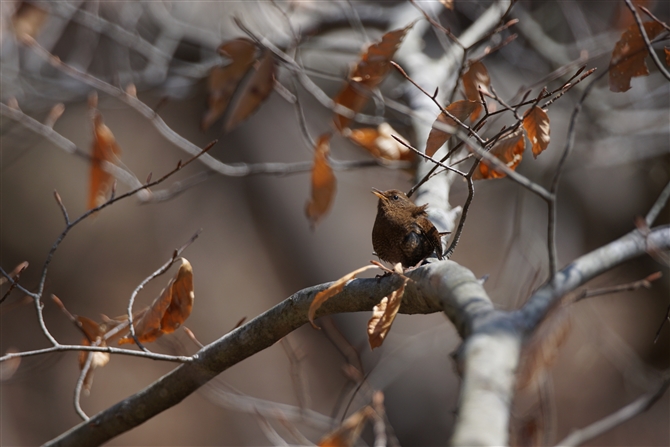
(256, 247)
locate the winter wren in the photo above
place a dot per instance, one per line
(402, 232)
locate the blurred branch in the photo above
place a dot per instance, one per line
(641, 404)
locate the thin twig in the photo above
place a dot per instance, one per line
(658, 206)
(427, 157)
(464, 213)
(80, 385)
(108, 349)
(434, 99)
(635, 285)
(660, 328)
(569, 144)
(14, 279)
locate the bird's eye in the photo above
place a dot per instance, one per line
(395, 197)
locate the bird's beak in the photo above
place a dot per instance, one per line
(378, 193)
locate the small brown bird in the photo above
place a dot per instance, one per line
(402, 232)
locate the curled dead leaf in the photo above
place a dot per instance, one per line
(476, 77)
(509, 150)
(536, 123)
(331, 291)
(323, 182)
(169, 310)
(383, 316)
(459, 109)
(380, 142)
(628, 56)
(370, 71)
(105, 149)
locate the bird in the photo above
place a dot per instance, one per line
(402, 232)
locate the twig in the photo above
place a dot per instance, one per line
(427, 157)
(655, 19)
(569, 144)
(660, 328)
(635, 285)
(14, 279)
(647, 42)
(464, 213)
(434, 99)
(641, 404)
(108, 349)
(437, 25)
(80, 385)
(658, 206)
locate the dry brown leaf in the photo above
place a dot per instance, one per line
(169, 310)
(536, 123)
(323, 182)
(29, 19)
(509, 150)
(331, 291)
(252, 90)
(380, 142)
(475, 78)
(628, 56)
(223, 81)
(461, 110)
(347, 433)
(105, 149)
(541, 351)
(369, 73)
(383, 316)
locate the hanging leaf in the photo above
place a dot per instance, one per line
(380, 142)
(223, 81)
(370, 71)
(323, 182)
(536, 123)
(347, 433)
(251, 92)
(105, 149)
(509, 150)
(628, 56)
(476, 77)
(331, 291)
(383, 316)
(169, 310)
(461, 110)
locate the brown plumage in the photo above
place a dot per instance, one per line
(402, 232)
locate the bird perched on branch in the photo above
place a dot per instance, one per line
(402, 232)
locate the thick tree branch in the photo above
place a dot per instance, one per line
(489, 355)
